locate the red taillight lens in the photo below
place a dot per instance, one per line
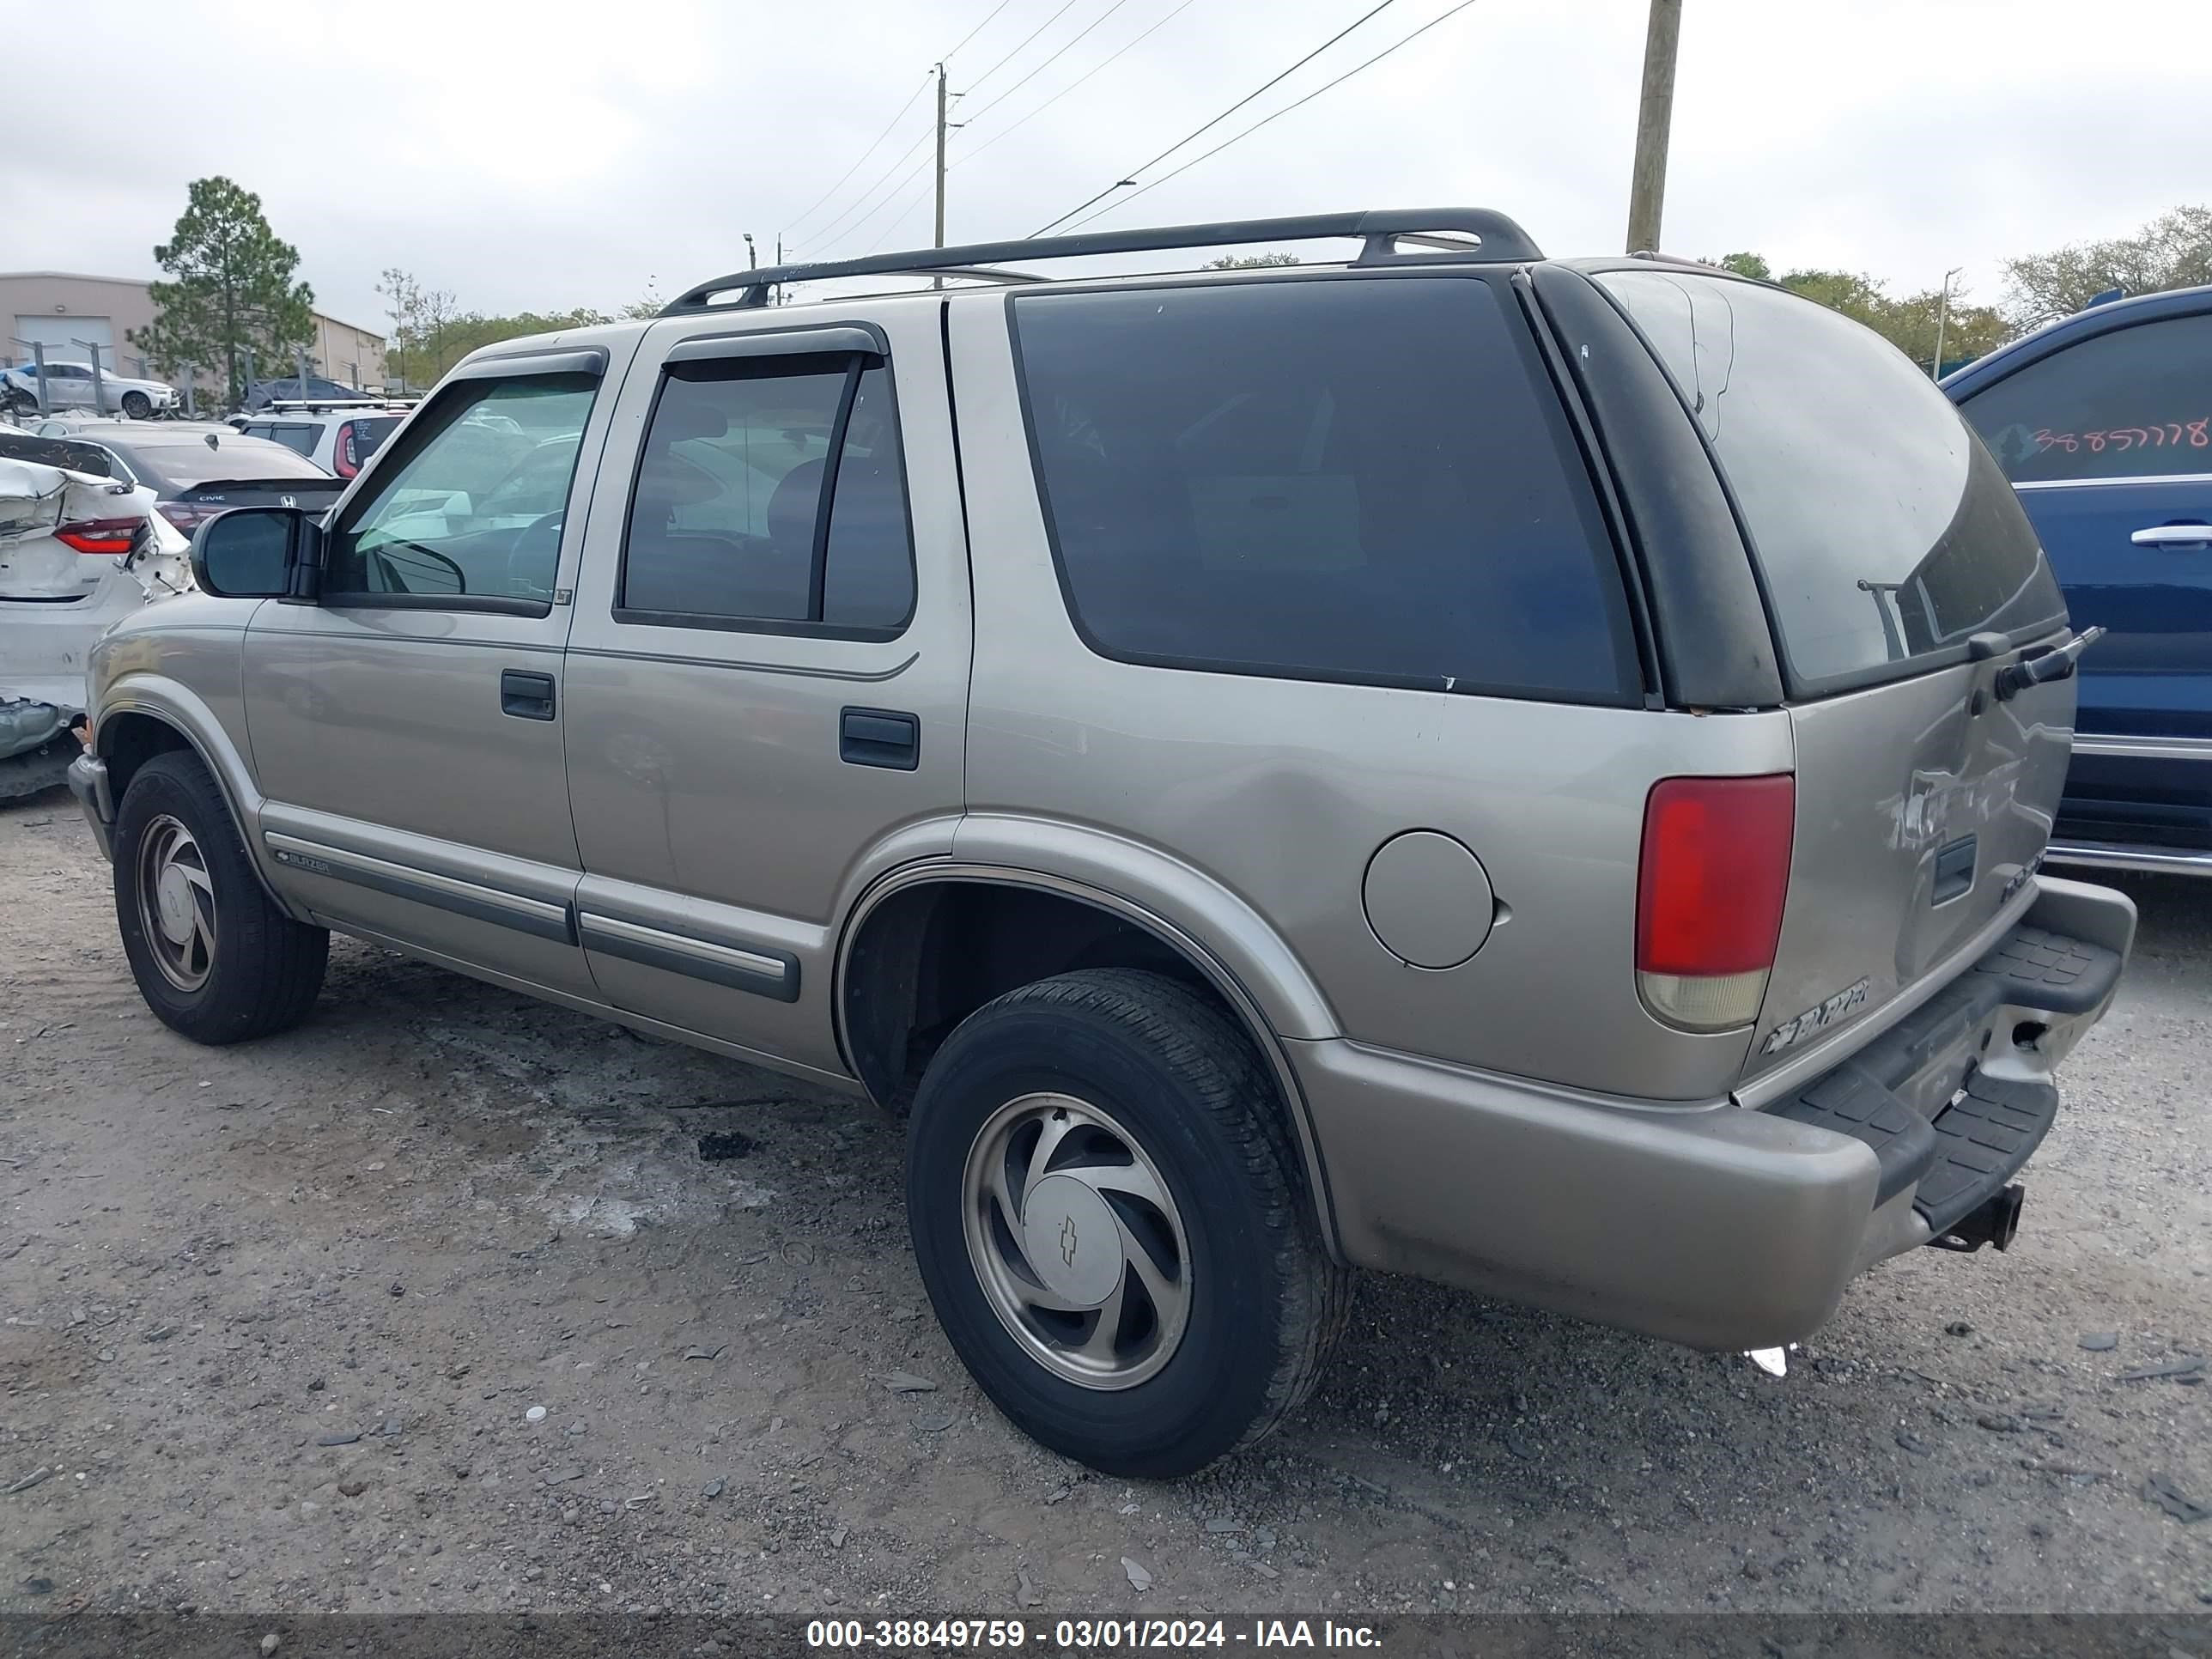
(345, 458)
(112, 537)
(187, 516)
(1710, 893)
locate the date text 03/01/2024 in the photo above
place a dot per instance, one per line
(1078, 1634)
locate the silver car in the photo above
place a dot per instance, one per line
(70, 386)
(1530, 772)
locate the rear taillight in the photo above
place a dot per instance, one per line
(345, 461)
(109, 536)
(1709, 897)
(187, 516)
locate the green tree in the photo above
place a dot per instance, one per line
(2173, 250)
(1744, 265)
(230, 289)
(437, 336)
(1907, 323)
(409, 305)
(1251, 261)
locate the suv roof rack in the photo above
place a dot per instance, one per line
(1496, 238)
(318, 405)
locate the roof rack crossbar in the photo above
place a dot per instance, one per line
(1497, 238)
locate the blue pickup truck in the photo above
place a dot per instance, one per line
(2103, 421)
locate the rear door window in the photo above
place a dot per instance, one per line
(1341, 479)
(2133, 403)
(740, 519)
(1885, 533)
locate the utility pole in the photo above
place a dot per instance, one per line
(1647, 184)
(1943, 310)
(940, 161)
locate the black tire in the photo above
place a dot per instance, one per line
(137, 405)
(263, 970)
(1266, 1304)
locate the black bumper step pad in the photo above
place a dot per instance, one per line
(1851, 1101)
(1982, 1140)
(1968, 1151)
(2039, 968)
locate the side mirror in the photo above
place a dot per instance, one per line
(259, 553)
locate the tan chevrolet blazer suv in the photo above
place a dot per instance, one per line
(1530, 772)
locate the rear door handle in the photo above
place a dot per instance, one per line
(879, 736)
(525, 695)
(2173, 535)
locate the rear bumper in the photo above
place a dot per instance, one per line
(1715, 1226)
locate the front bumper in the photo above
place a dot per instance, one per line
(88, 782)
(1716, 1226)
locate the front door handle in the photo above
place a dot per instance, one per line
(879, 736)
(525, 695)
(2173, 535)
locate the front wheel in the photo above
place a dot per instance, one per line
(214, 956)
(137, 405)
(1112, 1223)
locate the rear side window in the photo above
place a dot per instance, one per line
(357, 439)
(1344, 479)
(299, 439)
(1885, 533)
(2131, 404)
(769, 493)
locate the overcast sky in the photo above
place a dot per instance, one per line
(551, 154)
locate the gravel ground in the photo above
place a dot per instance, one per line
(277, 1318)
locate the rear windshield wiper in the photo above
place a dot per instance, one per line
(2015, 677)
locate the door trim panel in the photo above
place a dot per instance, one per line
(465, 898)
(760, 969)
(871, 676)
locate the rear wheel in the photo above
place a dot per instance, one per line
(1112, 1225)
(137, 405)
(213, 956)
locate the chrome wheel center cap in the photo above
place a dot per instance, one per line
(1072, 1240)
(174, 896)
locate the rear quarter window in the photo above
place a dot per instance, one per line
(1884, 532)
(1345, 479)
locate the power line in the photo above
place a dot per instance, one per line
(1172, 15)
(1049, 62)
(863, 156)
(894, 122)
(1279, 114)
(894, 195)
(978, 30)
(844, 219)
(914, 172)
(1018, 51)
(1131, 177)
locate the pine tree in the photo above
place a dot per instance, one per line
(231, 289)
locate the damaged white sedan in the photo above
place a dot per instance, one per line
(78, 549)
